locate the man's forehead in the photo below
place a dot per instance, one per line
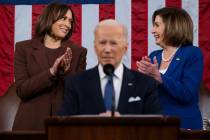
(110, 33)
(107, 29)
(114, 35)
(109, 38)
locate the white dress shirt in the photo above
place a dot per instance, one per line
(163, 71)
(117, 81)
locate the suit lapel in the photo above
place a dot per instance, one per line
(128, 86)
(158, 59)
(95, 90)
(39, 54)
(177, 59)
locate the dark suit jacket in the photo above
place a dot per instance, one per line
(83, 94)
(40, 93)
(179, 93)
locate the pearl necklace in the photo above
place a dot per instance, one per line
(170, 57)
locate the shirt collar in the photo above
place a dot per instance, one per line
(118, 72)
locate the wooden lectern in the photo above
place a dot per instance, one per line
(143, 127)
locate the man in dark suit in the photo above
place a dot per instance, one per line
(135, 93)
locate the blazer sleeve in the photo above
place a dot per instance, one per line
(185, 88)
(29, 86)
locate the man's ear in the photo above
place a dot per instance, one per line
(126, 47)
(94, 43)
(95, 47)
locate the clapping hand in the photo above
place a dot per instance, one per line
(66, 60)
(62, 63)
(145, 66)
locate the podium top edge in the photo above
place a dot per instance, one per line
(122, 120)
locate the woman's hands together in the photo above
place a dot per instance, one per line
(62, 63)
(145, 66)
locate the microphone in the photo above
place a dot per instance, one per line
(109, 70)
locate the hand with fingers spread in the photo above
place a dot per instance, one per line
(66, 60)
(145, 66)
(62, 64)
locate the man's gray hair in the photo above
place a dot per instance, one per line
(112, 22)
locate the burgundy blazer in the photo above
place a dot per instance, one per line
(39, 91)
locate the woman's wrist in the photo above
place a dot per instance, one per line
(158, 77)
(52, 72)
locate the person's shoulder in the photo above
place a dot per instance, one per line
(84, 75)
(24, 42)
(138, 76)
(155, 53)
(25, 45)
(191, 50)
(190, 47)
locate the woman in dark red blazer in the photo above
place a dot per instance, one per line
(42, 63)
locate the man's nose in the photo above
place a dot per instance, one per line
(108, 47)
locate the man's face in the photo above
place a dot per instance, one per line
(110, 44)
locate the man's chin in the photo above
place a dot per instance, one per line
(105, 63)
